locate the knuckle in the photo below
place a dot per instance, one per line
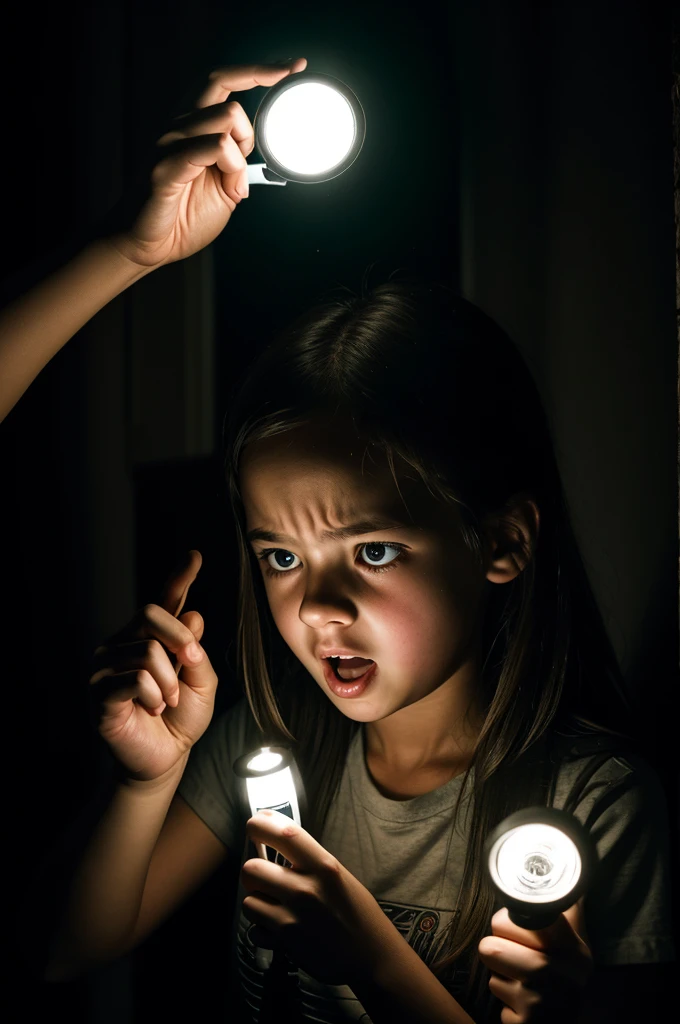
(143, 677)
(533, 999)
(233, 107)
(306, 896)
(149, 610)
(487, 947)
(152, 649)
(290, 926)
(330, 868)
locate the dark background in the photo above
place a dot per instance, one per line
(521, 152)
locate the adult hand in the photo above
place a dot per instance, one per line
(539, 975)
(200, 173)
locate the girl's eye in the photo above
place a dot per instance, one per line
(375, 551)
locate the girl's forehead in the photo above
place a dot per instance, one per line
(317, 454)
(335, 470)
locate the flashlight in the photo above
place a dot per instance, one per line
(308, 127)
(272, 781)
(269, 779)
(540, 860)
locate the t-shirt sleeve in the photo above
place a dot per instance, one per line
(208, 784)
(628, 902)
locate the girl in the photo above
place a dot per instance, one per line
(415, 622)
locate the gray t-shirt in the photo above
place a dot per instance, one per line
(409, 858)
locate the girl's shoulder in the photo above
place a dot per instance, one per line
(591, 766)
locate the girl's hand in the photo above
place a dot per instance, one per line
(200, 176)
(539, 975)
(316, 912)
(148, 715)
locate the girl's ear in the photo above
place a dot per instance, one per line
(510, 539)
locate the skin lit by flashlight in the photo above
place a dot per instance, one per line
(536, 863)
(310, 128)
(264, 761)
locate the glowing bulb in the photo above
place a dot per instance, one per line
(539, 860)
(268, 781)
(265, 761)
(536, 862)
(309, 128)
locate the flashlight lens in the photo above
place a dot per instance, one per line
(310, 128)
(264, 761)
(536, 863)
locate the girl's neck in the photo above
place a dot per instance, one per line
(435, 735)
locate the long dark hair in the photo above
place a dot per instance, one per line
(428, 377)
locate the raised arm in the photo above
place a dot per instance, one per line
(198, 180)
(35, 326)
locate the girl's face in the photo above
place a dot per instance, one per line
(417, 618)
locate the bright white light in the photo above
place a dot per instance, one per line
(310, 128)
(272, 790)
(264, 761)
(536, 863)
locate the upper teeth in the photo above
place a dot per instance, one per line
(341, 655)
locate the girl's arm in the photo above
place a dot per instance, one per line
(34, 327)
(107, 885)
(148, 852)
(407, 992)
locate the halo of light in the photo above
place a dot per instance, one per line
(310, 129)
(536, 863)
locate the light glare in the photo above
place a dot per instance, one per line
(310, 128)
(536, 863)
(264, 761)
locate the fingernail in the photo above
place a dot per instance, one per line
(243, 188)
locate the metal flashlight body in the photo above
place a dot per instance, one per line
(540, 860)
(309, 128)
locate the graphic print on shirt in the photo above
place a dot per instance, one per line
(422, 927)
(425, 931)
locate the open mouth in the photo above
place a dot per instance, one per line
(347, 670)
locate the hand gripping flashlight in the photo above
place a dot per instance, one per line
(540, 860)
(270, 779)
(308, 128)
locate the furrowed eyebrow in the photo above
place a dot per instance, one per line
(352, 530)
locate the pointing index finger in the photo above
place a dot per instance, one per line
(177, 587)
(239, 77)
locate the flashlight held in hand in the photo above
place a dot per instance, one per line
(272, 782)
(309, 128)
(540, 860)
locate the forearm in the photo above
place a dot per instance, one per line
(405, 991)
(35, 326)
(105, 893)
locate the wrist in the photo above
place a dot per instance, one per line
(170, 779)
(123, 268)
